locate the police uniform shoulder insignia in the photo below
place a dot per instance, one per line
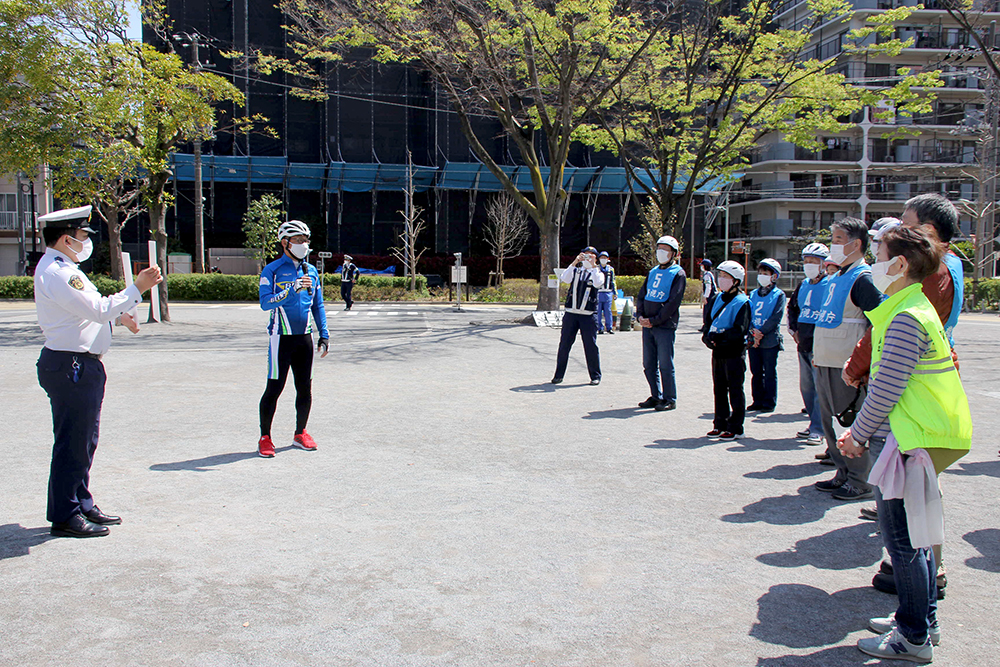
(76, 283)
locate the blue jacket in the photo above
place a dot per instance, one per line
(290, 309)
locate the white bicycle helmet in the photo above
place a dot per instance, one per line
(816, 250)
(772, 264)
(293, 228)
(734, 269)
(670, 241)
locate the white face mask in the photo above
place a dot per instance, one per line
(725, 283)
(604, 261)
(811, 271)
(86, 249)
(664, 256)
(837, 253)
(881, 277)
(764, 279)
(299, 250)
(588, 264)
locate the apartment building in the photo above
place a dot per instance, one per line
(22, 200)
(862, 171)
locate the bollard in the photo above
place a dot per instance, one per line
(626, 321)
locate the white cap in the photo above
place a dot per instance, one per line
(73, 218)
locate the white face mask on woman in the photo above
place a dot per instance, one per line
(726, 283)
(881, 277)
(811, 271)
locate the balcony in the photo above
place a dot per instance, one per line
(784, 151)
(8, 221)
(794, 190)
(928, 153)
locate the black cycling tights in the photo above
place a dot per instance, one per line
(295, 352)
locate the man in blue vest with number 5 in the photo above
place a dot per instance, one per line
(657, 307)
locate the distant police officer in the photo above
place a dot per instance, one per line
(348, 276)
(76, 321)
(290, 288)
(658, 308)
(584, 279)
(605, 296)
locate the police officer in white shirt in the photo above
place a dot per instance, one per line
(584, 280)
(77, 322)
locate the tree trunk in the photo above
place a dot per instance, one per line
(548, 297)
(157, 220)
(110, 214)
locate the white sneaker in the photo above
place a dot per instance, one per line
(893, 646)
(814, 440)
(880, 626)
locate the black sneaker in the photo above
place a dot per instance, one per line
(885, 583)
(753, 407)
(650, 403)
(665, 405)
(714, 433)
(556, 380)
(595, 381)
(869, 514)
(729, 435)
(827, 462)
(830, 485)
(822, 456)
(850, 492)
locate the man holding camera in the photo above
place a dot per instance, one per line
(584, 280)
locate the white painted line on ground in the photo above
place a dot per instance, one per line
(216, 306)
(413, 312)
(393, 312)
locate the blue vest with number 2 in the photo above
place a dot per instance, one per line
(762, 307)
(659, 282)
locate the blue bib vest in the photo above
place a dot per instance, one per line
(954, 265)
(762, 307)
(811, 298)
(659, 282)
(831, 312)
(723, 318)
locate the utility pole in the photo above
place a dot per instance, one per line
(986, 230)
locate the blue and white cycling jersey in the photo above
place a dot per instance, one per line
(290, 309)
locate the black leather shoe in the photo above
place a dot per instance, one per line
(665, 405)
(95, 515)
(556, 380)
(78, 526)
(650, 403)
(595, 381)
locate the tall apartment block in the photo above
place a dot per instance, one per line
(861, 171)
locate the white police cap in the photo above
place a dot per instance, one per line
(70, 218)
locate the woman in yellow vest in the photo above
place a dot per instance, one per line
(916, 421)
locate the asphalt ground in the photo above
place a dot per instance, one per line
(459, 510)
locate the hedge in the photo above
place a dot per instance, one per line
(630, 286)
(988, 294)
(223, 287)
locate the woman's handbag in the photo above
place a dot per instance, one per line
(846, 418)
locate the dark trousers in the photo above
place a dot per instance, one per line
(764, 376)
(294, 351)
(730, 403)
(346, 288)
(585, 324)
(658, 362)
(75, 385)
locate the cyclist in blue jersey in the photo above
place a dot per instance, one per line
(290, 289)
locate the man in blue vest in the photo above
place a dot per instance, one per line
(803, 309)
(767, 306)
(584, 280)
(728, 326)
(840, 324)
(605, 295)
(657, 307)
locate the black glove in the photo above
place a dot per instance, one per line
(706, 338)
(323, 345)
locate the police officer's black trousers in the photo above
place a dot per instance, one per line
(75, 385)
(346, 290)
(295, 351)
(587, 327)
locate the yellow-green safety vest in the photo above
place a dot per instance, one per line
(933, 411)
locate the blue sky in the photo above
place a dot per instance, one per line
(135, 22)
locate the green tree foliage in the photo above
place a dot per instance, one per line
(103, 111)
(532, 65)
(260, 224)
(715, 82)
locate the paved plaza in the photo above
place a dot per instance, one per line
(459, 510)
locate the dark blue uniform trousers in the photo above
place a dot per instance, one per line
(587, 327)
(764, 376)
(347, 293)
(76, 396)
